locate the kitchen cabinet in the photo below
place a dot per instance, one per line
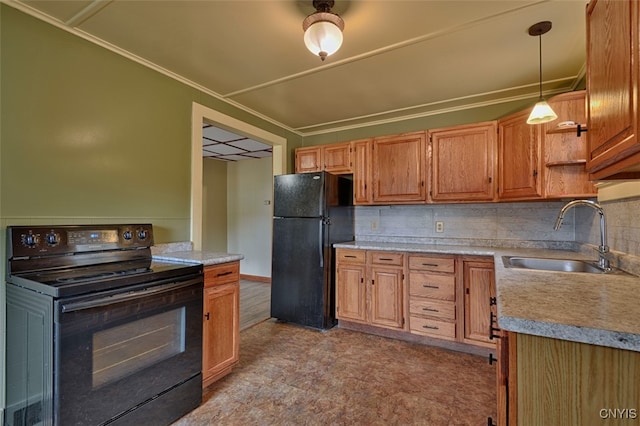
(351, 288)
(559, 382)
(479, 289)
(221, 321)
(463, 163)
(613, 92)
(362, 193)
(398, 169)
(369, 287)
(308, 159)
(519, 158)
(432, 296)
(333, 158)
(565, 153)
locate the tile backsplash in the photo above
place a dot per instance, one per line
(525, 224)
(469, 224)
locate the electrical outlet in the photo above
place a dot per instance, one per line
(374, 225)
(439, 226)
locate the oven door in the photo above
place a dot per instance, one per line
(117, 351)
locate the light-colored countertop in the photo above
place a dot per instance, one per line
(183, 252)
(204, 257)
(599, 309)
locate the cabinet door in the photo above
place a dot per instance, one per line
(612, 86)
(386, 297)
(221, 331)
(351, 296)
(309, 159)
(479, 288)
(362, 172)
(337, 158)
(398, 169)
(462, 165)
(519, 159)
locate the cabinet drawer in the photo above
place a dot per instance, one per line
(432, 308)
(432, 263)
(350, 255)
(432, 327)
(221, 274)
(387, 258)
(433, 286)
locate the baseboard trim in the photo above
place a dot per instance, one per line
(255, 278)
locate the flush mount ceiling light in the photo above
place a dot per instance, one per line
(323, 30)
(542, 112)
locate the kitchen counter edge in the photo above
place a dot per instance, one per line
(598, 309)
(204, 257)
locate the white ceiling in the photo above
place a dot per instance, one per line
(219, 144)
(399, 58)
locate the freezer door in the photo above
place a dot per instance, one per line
(299, 195)
(301, 283)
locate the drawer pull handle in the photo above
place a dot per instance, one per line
(433, 265)
(350, 255)
(429, 286)
(430, 310)
(386, 258)
(430, 327)
(222, 274)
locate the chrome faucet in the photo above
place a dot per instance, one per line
(603, 248)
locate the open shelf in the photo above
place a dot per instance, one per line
(566, 129)
(566, 163)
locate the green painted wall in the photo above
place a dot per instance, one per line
(214, 205)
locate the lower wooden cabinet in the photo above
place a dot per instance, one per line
(479, 289)
(545, 381)
(221, 321)
(446, 297)
(369, 287)
(432, 296)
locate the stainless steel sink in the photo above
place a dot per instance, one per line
(547, 264)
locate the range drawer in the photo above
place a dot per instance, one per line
(350, 255)
(433, 308)
(221, 274)
(387, 258)
(432, 263)
(433, 286)
(432, 327)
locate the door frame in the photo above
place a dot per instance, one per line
(200, 114)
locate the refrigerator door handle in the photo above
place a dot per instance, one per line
(321, 243)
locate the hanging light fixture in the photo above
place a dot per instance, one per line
(541, 112)
(323, 30)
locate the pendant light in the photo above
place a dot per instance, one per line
(542, 112)
(323, 30)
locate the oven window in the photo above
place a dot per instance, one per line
(126, 349)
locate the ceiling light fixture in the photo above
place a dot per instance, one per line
(323, 30)
(542, 112)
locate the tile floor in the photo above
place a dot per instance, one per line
(289, 375)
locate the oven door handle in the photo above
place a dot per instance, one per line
(123, 297)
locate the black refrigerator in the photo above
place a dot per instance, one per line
(312, 211)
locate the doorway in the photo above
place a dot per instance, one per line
(200, 114)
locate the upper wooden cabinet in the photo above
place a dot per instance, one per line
(463, 163)
(309, 159)
(333, 158)
(613, 74)
(565, 154)
(519, 158)
(398, 169)
(362, 193)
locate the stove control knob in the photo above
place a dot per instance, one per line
(127, 235)
(142, 234)
(30, 240)
(52, 239)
